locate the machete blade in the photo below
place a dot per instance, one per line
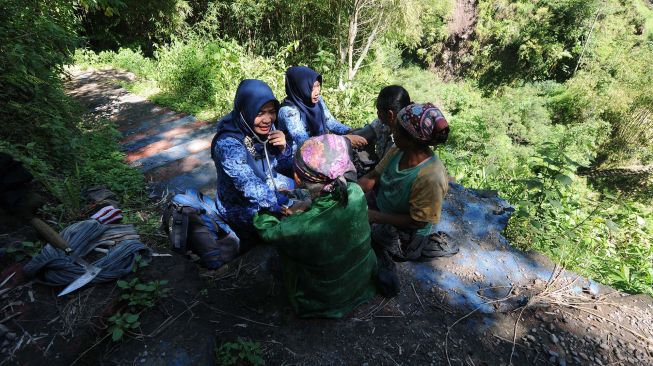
(88, 276)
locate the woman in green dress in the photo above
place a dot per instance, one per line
(327, 260)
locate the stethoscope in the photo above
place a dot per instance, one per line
(265, 151)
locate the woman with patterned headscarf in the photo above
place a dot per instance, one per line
(328, 263)
(408, 187)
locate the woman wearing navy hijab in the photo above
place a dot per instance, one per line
(304, 113)
(247, 152)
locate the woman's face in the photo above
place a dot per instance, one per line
(387, 117)
(315, 94)
(401, 138)
(266, 116)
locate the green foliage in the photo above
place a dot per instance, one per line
(120, 323)
(142, 295)
(240, 352)
(530, 40)
(36, 40)
(138, 297)
(24, 250)
(133, 23)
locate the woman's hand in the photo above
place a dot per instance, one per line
(298, 206)
(372, 216)
(278, 139)
(357, 141)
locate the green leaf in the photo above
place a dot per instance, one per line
(122, 284)
(131, 318)
(117, 334)
(564, 179)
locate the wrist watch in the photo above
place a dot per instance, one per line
(288, 204)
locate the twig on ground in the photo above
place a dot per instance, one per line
(417, 296)
(446, 337)
(89, 349)
(9, 317)
(169, 321)
(415, 351)
(514, 336)
(7, 279)
(387, 354)
(237, 316)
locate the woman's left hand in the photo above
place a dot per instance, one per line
(357, 141)
(277, 139)
(298, 206)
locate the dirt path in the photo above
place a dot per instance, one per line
(464, 310)
(171, 148)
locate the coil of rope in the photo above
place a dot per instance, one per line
(53, 267)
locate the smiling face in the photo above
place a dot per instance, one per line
(315, 94)
(266, 116)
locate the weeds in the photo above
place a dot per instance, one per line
(138, 297)
(24, 250)
(240, 352)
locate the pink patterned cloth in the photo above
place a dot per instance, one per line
(324, 159)
(424, 122)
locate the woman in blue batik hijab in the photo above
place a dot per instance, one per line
(248, 151)
(304, 113)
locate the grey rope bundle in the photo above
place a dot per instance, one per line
(54, 267)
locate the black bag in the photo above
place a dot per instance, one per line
(193, 224)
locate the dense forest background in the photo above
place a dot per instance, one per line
(550, 101)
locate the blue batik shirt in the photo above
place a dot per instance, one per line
(240, 192)
(291, 123)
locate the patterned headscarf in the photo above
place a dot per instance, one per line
(424, 122)
(325, 160)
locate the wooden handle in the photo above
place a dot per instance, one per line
(49, 234)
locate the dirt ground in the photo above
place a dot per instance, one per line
(246, 299)
(476, 308)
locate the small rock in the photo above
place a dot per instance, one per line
(366, 364)
(577, 360)
(531, 338)
(3, 330)
(553, 353)
(553, 338)
(598, 361)
(604, 346)
(142, 360)
(583, 356)
(534, 330)
(562, 362)
(145, 354)
(552, 359)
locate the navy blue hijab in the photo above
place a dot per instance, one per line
(299, 86)
(251, 96)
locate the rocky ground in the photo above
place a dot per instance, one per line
(489, 305)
